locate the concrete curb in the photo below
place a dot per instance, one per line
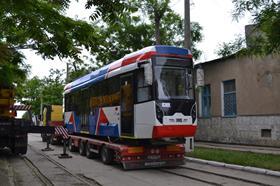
(237, 167)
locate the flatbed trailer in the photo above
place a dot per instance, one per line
(130, 154)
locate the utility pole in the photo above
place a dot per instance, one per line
(67, 72)
(187, 41)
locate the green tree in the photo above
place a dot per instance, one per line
(29, 93)
(109, 10)
(266, 17)
(13, 69)
(227, 49)
(76, 70)
(132, 32)
(49, 90)
(156, 10)
(125, 36)
(39, 25)
(53, 86)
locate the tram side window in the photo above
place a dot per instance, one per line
(84, 108)
(77, 102)
(69, 102)
(66, 102)
(144, 91)
(114, 91)
(105, 93)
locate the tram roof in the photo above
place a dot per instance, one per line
(127, 63)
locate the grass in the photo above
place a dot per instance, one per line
(267, 161)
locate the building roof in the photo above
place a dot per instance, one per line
(218, 60)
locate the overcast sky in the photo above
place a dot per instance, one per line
(213, 15)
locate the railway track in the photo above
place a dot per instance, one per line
(44, 180)
(210, 178)
(190, 174)
(197, 174)
(80, 178)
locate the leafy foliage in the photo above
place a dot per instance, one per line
(40, 25)
(49, 90)
(266, 15)
(227, 49)
(76, 69)
(132, 32)
(156, 11)
(30, 93)
(127, 35)
(13, 69)
(109, 10)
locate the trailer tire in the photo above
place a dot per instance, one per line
(106, 155)
(82, 148)
(71, 146)
(89, 154)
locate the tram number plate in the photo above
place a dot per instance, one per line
(153, 157)
(151, 164)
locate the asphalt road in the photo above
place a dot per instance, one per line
(45, 168)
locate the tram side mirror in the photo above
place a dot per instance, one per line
(199, 77)
(148, 73)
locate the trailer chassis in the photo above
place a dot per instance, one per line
(130, 156)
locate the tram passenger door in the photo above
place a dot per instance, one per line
(127, 105)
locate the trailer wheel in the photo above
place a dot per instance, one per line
(82, 148)
(106, 155)
(89, 154)
(71, 146)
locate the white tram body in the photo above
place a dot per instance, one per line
(147, 94)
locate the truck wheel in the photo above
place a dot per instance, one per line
(19, 148)
(43, 136)
(71, 146)
(82, 149)
(22, 150)
(89, 154)
(44, 139)
(106, 155)
(13, 150)
(52, 141)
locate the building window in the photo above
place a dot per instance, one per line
(229, 99)
(206, 101)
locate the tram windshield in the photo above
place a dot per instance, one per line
(173, 78)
